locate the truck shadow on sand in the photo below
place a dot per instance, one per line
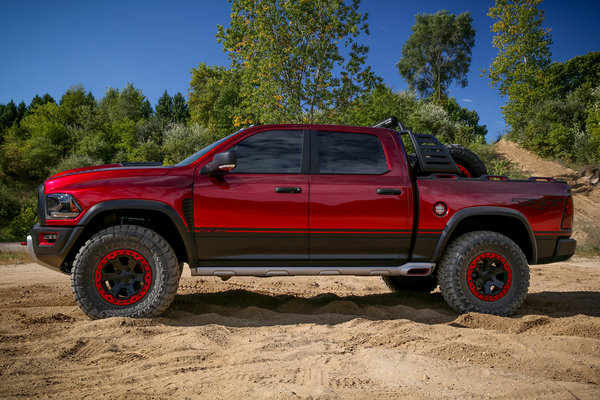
(248, 308)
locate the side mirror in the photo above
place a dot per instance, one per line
(221, 164)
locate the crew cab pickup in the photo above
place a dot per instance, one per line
(285, 200)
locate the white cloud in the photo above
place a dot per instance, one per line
(466, 100)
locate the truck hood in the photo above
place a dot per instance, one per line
(124, 165)
(121, 175)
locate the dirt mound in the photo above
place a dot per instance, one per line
(301, 338)
(590, 175)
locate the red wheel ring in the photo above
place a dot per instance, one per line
(123, 277)
(489, 276)
(464, 171)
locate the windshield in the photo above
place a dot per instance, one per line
(202, 152)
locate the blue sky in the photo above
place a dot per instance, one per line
(48, 46)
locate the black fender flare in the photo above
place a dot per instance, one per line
(459, 216)
(135, 204)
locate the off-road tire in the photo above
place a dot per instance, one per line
(424, 284)
(143, 249)
(472, 165)
(458, 274)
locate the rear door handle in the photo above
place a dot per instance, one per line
(288, 189)
(389, 191)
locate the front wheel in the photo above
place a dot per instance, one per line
(484, 272)
(125, 271)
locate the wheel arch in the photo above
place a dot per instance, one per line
(163, 219)
(506, 221)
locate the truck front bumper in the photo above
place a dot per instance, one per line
(52, 253)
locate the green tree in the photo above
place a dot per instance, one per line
(468, 118)
(108, 105)
(164, 107)
(131, 102)
(36, 101)
(75, 97)
(593, 125)
(47, 99)
(580, 71)
(215, 98)
(552, 126)
(523, 56)
(147, 109)
(125, 104)
(377, 105)
(40, 101)
(9, 115)
(181, 141)
(437, 53)
(180, 109)
(22, 110)
(299, 60)
(74, 102)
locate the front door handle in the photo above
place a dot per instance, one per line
(389, 191)
(288, 189)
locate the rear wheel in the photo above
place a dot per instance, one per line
(469, 163)
(484, 272)
(425, 284)
(126, 271)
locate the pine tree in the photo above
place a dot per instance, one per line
(164, 107)
(22, 110)
(146, 109)
(48, 99)
(180, 109)
(9, 116)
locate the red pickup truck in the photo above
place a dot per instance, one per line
(284, 200)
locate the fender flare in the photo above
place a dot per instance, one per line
(459, 216)
(152, 205)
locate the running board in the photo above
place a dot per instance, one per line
(409, 269)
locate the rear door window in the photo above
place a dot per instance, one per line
(350, 153)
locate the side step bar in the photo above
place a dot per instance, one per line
(409, 269)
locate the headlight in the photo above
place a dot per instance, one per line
(61, 205)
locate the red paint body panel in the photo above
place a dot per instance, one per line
(231, 210)
(165, 184)
(542, 203)
(348, 219)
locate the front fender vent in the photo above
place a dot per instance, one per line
(188, 213)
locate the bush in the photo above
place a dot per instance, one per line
(565, 128)
(495, 164)
(20, 226)
(433, 119)
(591, 246)
(181, 141)
(14, 196)
(75, 161)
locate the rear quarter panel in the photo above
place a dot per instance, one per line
(541, 205)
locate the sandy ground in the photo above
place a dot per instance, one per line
(309, 338)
